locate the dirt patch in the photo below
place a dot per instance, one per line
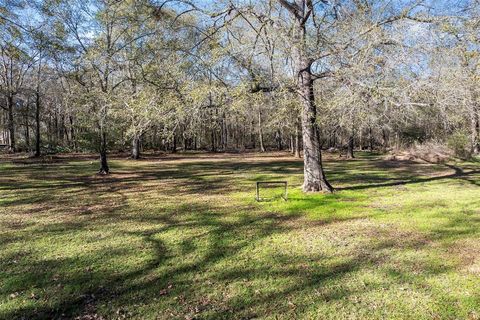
(468, 251)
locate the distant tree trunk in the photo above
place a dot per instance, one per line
(104, 169)
(360, 139)
(292, 144)
(11, 123)
(37, 125)
(49, 130)
(136, 147)
(252, 134)
(185, 142)
(278, 137)
(297, 141)
(214, 149)
(350, 146)
(174, 147)
(385, 138)
(55, 133)
(397, 140)
(370, 138)
(61, 129)
(475, 123)
(224, 137)
(27, 126)
(260, 132)
(73, 137)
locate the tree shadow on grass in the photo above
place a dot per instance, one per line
(224, 239)
(167, 276)
(458, 173)
(204, 260)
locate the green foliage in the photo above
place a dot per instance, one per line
(459, 142)
(54, 149)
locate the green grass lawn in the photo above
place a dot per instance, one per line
(183, 238)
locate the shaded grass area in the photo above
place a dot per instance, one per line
(184, 238)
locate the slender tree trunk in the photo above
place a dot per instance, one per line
(104, 169)
(11, 123)
(214, 149)
(474, 121)
(27, 126)
(292, 144)
(297, 141)
(385, 138)
(37, 125)
(397, 139)
(56, 132)
(174, 147)
(260, 132)
(49, 130)
(370, 138)
(252, 134)
(63, 129)
(314, 176)
(279, 140)
(224, 133)
(136, 147)
(185, 142)
(73, 136)
(350, 145)
(360, 139)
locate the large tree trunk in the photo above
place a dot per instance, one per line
(314, 176)
(11, 123)
(314, 179)
(136, 147)
(37, 125)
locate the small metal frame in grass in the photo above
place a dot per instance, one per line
(284, 195)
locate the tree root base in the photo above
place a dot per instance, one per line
(317, 187)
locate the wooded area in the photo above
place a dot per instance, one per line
(110, 76)
(239, 159)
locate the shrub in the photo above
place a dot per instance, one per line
(460, 144)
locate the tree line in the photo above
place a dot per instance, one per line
(298, 75)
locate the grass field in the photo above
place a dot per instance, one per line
(181, 237)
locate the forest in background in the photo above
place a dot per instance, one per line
(133, 75)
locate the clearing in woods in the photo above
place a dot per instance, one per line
(183, 237)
